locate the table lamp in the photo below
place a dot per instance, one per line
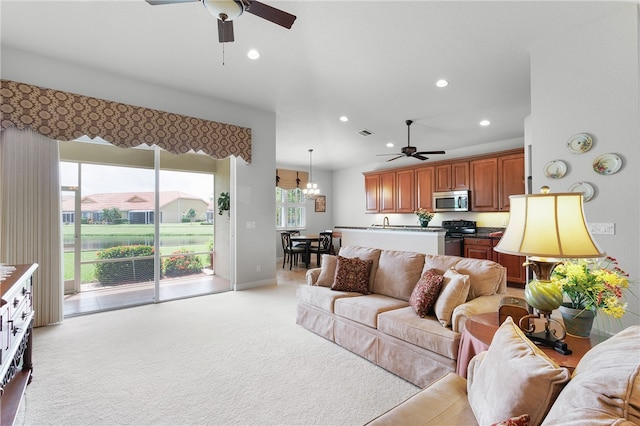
(546, 228)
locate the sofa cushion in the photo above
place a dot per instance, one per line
(328, 270)
(426, 333)
(440, 263)
(425, 293)
(364, 253)
(605, 387)
(365, 309)
(513, 377)
(444, 402)
(321, 297)
(398, 272)
(352, 274)
(455, 288)
(484, 276)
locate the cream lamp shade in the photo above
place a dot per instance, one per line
(548, 226)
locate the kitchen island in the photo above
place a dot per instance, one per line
(428, 240)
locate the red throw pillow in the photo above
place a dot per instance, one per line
(426, 292)
(522, 420)
(352, 274)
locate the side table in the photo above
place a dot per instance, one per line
(478, 332)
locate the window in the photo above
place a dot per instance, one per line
(290, 208)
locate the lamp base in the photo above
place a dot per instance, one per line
(548, 336)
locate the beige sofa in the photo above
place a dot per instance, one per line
(515, 380)
(382, 326)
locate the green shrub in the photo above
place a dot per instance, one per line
(181, 263)
(126, 271)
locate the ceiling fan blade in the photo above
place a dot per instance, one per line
(431, 152)
(395, 158)
(381, 155)
(161, 2)
(419, 157)
(225, 31)
(271, 14)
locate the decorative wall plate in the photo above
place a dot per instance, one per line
(579, 143)
(584, 187)
(607, 164)
(555, 169)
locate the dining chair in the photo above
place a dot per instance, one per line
(324, 246)
(291, 252)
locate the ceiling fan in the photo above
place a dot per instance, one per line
(227, 10)
(411, 151)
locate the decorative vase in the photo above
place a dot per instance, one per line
(577, 322)
(424, 223)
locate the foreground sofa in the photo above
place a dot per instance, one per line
(379, 323)
(515, 383)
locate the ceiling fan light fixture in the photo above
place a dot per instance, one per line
(225, 10)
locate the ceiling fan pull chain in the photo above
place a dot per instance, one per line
(223, 54)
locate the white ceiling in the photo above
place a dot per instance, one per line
(375, 61)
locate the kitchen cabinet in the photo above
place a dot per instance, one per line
(425, 182)
(452, 176)
(494, 179)
(405, 191)
(372, 191)
(484, 184)
(478, 248)
(388, 192)
(482, 248)
(511, 178)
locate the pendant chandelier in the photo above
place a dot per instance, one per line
(311, 192)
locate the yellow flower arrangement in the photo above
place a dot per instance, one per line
(593, 284)
(424, 215)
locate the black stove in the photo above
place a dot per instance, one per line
(459, 228)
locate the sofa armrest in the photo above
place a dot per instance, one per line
(476, 306)
(312, 275)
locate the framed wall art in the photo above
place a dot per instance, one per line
(321, 203)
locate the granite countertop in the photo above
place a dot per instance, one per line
(410, 228)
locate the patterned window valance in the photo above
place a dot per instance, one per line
(289, 179)
(67, 116)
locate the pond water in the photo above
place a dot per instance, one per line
(101, 243)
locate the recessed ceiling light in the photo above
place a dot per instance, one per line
(389, 144)
(344, 118)
(442, 83)
(485, 122)
(253, 54)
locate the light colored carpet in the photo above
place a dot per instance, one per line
(235, 358)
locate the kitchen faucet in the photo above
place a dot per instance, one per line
(385, 222)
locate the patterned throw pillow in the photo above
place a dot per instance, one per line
(426, 292)
(352, 274)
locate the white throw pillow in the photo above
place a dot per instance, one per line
(455, 289)
(513, 377)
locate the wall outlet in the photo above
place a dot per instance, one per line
(258, 268)
(602, 228)
(251, 225)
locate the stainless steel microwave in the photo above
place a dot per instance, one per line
(451, 201)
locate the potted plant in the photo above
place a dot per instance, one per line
(590, 285)
(424, 216)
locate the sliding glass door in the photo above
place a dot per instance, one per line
(137, 228)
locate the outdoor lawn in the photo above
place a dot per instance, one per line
(195, 237)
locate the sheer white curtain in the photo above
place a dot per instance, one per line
(30, 215)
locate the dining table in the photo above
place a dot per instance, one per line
(307, 239)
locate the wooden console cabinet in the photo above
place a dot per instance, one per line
(16, 326)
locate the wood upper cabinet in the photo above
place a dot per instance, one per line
(405, 191)
(372, 193)
(425, 182)
(510, 178)
(484, 184)
(388, 192)
(452, 176)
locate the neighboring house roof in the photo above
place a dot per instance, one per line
(127, 201)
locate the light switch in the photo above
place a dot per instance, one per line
(602, 228)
